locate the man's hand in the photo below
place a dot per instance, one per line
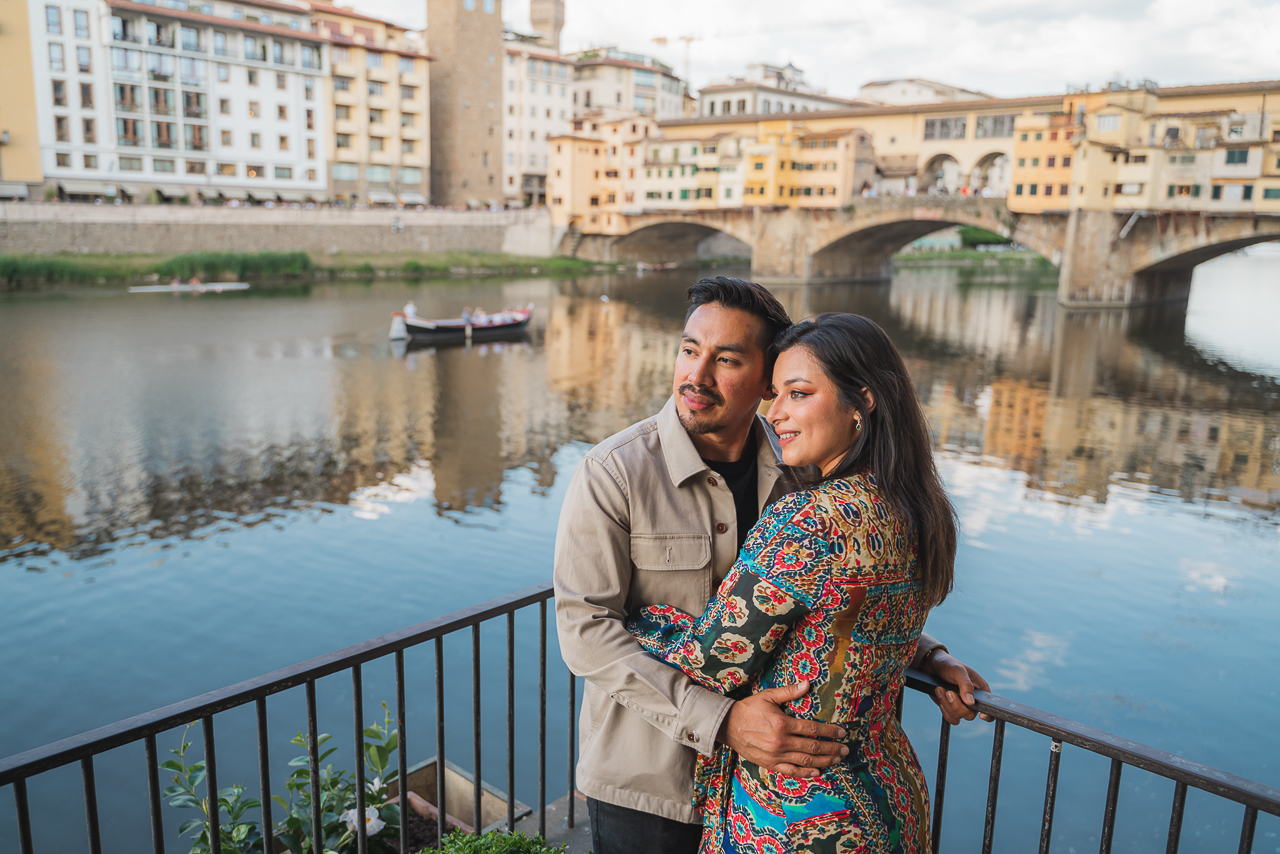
(761, 732)
(952, 670)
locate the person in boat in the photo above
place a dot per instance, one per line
(466, 315)
(410, 310)
(176, 283)
(194, 281)
(680, 491)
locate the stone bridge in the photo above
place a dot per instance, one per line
(1106, 259)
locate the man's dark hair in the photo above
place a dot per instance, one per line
(745, 296)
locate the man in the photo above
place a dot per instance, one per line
(656, 515)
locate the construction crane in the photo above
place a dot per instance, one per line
(662, 40)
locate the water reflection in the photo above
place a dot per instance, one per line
(137, 421)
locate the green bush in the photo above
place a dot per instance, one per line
(971, 235)
(496, 842)
(16, 270)
(239, 265)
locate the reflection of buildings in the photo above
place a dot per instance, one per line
(1015, 423)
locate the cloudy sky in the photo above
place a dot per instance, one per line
(1005, 47)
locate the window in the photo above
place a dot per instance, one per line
(993, 126)
(224, 106)
(407, 65)
(255, 109)
(1031, 189)
(346, 172)
(372, 59)
(90, 130)
(255, 171)
(1035, 161)
(595, 200)
(59, 93)
(342, 84)
(1017, 191)
(224, 72)
(1049, 162)
(129, 132)
(56, 62)
(282, 112)
(1237, 155)
(62, 128)
(1039, 137)
(341, 112)
(341, 54)
(1271, 193)
(1066, 161)
(280, 82)
(161, 165)
(376, 88)
(410, 175)
(311, 149)
(308, 89)
(255, 140)
(53, 20)
(82, 24)
(190, 38)
(408, 120)
(342, 140)
(130, 164)
(406, 146)
(128, 98)
(283, 142)
(378, 174)
(62, 159)
(226, 138)
(253, 77)
(226, 170)
(375, 117)
(84, 60)
(284, 173)
(195, 167)
(311, 119)
(1022, 161)
(86, 96)
(1137, 158)
(193, 105)
(196, 137)
(375, 143)
(220, 44)
(408, 93)
(952, 128)
(1062, 190)
(1216, 192)
(1107, 122)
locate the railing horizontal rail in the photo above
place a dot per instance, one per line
(95, 741)
(1220, 783)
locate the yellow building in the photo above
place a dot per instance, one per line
(379, 151)
(19, 143)
(1044, 147)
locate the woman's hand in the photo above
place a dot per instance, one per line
(955, 706)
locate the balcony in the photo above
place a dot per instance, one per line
(125, 37)
(195, 113)
(224, 51)
(160, 41)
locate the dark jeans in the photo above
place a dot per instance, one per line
(621, 830)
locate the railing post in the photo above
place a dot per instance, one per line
(1175, 818)
(573, 705)
(993, 788)
(153, 796)
(442, 819)
(940, 788)
(1109, 814)
(1050, 796)
(24, 816)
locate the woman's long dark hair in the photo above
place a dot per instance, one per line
(855, 353)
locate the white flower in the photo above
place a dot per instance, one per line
(372, 823)
(374, 785)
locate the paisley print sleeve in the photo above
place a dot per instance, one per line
(773, 584)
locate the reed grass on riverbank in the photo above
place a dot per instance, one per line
(34, 272)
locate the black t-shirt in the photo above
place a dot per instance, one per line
(742, 481)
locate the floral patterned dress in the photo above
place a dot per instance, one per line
(824, 590)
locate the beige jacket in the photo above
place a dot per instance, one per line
(646, 522)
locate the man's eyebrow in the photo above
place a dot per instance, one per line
(724, 348)
(689, 338)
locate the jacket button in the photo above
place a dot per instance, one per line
(721, 527)
(692, 736)
(711, 480)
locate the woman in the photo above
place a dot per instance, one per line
(832, 587)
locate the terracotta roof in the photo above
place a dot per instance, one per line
(330, 9)
(536, 55)
(624, 63)
(992, 105)
(282, 32)
(1204, 114)
(1219, 88)
(753, 84)
(347, 41)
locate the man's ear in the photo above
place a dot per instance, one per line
(769, 394)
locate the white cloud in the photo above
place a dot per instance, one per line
(1028, 669)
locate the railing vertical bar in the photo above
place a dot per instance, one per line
(477, 791)
(91, 805)
(1050, 795)
(542, 719)
(573, 741)
(264, 775)
(211, 786)
(442, 820)
(1246, 832)
(1175, 818)
(313, 767)
(357, 714)
(153, 795)
(1109, 814)
(511, 721)
(24, 817)
(402, 754)
(940, 788)
(993, 788)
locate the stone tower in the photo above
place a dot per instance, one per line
(547, 17)
(464, 38)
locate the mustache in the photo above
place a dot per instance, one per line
(709, 394)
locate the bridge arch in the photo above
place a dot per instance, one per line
(943, 171)
(991, 171)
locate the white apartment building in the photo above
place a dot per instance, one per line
(766, 89)
(217, 100)
(917, 90)
(537, 95)
(608, 78)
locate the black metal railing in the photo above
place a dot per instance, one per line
(16, 770)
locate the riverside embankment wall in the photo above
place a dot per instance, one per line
(49, 229)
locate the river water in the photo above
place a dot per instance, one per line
(194, 491)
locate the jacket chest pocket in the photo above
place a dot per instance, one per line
(670, 551)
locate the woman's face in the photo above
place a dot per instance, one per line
(813, 426)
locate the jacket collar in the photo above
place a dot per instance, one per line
(682, 458)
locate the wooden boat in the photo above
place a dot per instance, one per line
(211, 287)
(485, 327)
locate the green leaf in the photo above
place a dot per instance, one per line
(187, 825)
(322, 738)
(373, 731)
(393, 740)
(170, 791)
(185, 802)
(172, 765)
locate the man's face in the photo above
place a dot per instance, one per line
(719, 377)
